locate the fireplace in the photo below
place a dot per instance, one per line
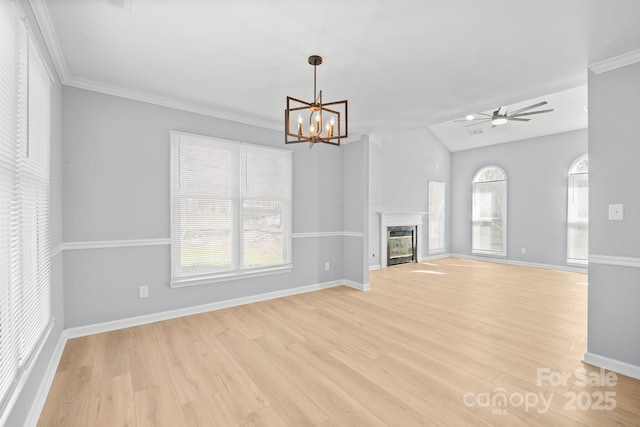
(401, 244)
(405, 246)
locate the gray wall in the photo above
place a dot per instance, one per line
(116, 183)
(25, 400)
(537, 175)
(356, 202)
(400, 170)
(614, 177)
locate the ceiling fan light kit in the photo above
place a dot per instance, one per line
(501, 116)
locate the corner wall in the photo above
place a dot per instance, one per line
(614, 246)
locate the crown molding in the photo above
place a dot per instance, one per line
(167, 102)
(50, 39)
(615, 62)
(46, 27)
(48, 32)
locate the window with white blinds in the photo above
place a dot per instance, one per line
(437, 217)
(578, 212)
(489, 212)
(25, 111)
(230, 209)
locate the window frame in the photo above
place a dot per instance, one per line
(504, 214)
(26, 314)
(237, 270)
(571, 173)
(442, 219)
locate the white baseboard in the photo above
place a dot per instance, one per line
(614, 365)
(45, 384)
(359, 286)
(435, 256)
(98, 328)
(521, 263)
(374, 267)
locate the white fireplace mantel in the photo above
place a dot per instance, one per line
(397, 219)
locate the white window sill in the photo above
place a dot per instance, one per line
(181, 283)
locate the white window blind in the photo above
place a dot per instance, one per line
(578, 212)
(25, 291)
(230, 209)
(436, 216)
(489, 212)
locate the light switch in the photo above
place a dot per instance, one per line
(616, 212)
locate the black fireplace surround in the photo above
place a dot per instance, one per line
(401, 244)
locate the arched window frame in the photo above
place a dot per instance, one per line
(578, 211)
(490, 179)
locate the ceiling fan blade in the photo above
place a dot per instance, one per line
(502, 111)
(478, 123)
(530, 107)
(517, 120)
(467, 120)
(485, 114)
(531, 112)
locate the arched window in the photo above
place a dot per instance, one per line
(489, 212)
(578, 212)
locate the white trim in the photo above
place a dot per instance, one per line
(618, 366)
(615, 62)
(614, 260)
(53, 46)
(56, 250)
(186, 282)
(364, 287)
(98, 328)
(24, 373)
(327, 234)
(104, 244)
(353, 234)
(45, 384)
(521, 263)
(167, 102)
(435, 256)
(374, 267)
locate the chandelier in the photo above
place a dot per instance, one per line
(314, 121)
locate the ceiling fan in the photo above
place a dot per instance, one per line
(502, 116)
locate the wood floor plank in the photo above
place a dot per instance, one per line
(158, 407)
(78, 352)
(113, 404)
(438, 342)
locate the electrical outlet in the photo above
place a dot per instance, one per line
(143, 291)
(616, 212)
(326, 266)
(523, 251)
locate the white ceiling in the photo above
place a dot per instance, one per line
(402, 65)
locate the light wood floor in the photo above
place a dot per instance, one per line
(432, 344)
